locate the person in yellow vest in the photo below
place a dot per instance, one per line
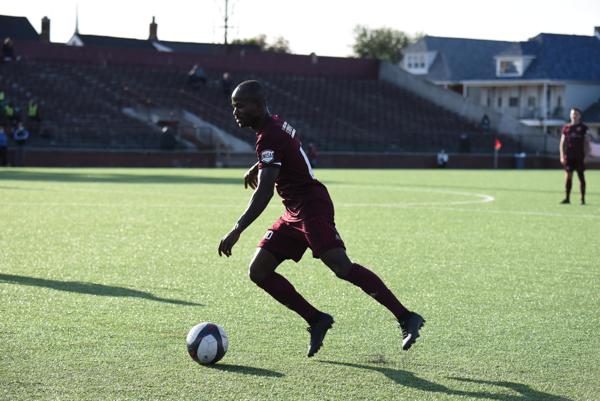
(33, 112)
(10, 113)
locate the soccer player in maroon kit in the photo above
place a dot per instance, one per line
(574, 148)
(308, 221)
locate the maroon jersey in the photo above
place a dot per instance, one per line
(575, 135)
(278, 146)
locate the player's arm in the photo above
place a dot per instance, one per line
(251, 177)
(260, 198)
(259, 201)
(562, 149)
(586, 145)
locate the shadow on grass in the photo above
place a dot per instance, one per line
(408, 379)
(89, 288)
(246, 370)
(101, 176)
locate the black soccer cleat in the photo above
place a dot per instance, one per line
(565, 202)
(410, 326)
(317, 332)
(583, 201)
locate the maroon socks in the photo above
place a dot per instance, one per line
(370, 283)
(283, 291)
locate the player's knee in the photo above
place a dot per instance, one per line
(339, 268)
(256, 274)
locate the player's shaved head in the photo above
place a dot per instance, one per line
(250, 90)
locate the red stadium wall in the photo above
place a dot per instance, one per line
(258, 62)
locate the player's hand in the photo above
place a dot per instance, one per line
(228, 242)
(251, 177)
(562, 161)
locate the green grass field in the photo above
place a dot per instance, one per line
(103, 272)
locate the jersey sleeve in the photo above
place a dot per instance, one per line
(269, 153)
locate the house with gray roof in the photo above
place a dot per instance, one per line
(536, 81)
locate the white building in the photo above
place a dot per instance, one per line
(536, 81)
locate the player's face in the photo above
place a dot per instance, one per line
(575, 117)
(246, 112)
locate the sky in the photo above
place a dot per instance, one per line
(320, 26)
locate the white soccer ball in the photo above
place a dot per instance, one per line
(207, 343)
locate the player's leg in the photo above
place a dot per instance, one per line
(568, 185)
(410, 322)
(262, 273)
(581, 176)
(337, 260)
(282, 242)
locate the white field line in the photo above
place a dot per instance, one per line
(441, 205)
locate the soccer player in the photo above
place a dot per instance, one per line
(307, 222)
(574, 149)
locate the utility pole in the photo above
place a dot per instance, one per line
(226, 26)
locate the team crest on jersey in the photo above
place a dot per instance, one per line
(267, 156)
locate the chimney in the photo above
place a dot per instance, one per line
(153, 30)
(597, 32)
(45, 33)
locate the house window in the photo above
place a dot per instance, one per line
(508, 67)
(499, 102)
(416, 63)
(531, 100)
(513, 102)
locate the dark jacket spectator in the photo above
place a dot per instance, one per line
(197, 76)
(20, 136)
(8, 50)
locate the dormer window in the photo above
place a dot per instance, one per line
(513, 66)
(418, 63)
(508, 67)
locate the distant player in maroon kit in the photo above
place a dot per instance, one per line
(574, 149)
(308, 221)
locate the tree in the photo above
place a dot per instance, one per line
(280, 45)
(260, 41)
(381, 43)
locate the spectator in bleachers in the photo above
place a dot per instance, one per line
(464, 143)
(11, 113)
(33, 111)
(442, 158)
(8, 50)
(167, 139)
(197, 76)
(313, 154)
(20, 136)
(3, 147)
(226, 83)
(485, 123)
(2, 98)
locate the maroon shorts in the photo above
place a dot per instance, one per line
(288, 240)
(574, 165)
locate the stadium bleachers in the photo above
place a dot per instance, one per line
(81, 105)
